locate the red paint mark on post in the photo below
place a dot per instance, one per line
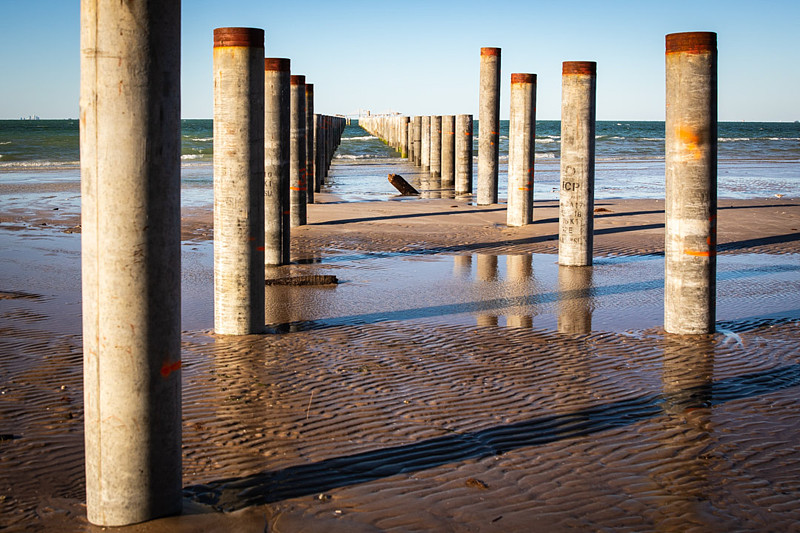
(168, 368)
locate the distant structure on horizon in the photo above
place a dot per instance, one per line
(32, 117)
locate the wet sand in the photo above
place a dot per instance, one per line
(531, 400)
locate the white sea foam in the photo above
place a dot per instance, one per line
(191, 156)
(39, 164)
(742, 139)
(351, 156)
(202, 139)
(362, 138)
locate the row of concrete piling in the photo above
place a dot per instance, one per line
(691, 169)
(131, 243)
(443, 147)
(271, 153)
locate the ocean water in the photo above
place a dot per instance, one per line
(756, 159)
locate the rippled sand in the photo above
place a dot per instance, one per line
(455, 380)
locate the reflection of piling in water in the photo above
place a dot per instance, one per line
(276, 161)
(519, 267)
(691, 183)
(463, 155)
(462, 265)
(297, 151)
(575, 302)
(489, 126)
(310, 178)
(238, 181)
(576, 197)
(487, 267)
(521, 132)
(519, 271)
(425, 151)
(486, 270)
(448, 151)
(688, 368)
(130, 259)
(436, 147)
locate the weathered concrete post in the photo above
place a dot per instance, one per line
(691, 183)
(448, 151)
(576, 197)
(436, 147)
(131, 259)
(276, 161)
(521, 137)
(238, 181)
(463, 155)
(297, 151)
(426, 143)
(404, 136)
(418, 141)
(489, 126)
(310, 177)
(318, 172)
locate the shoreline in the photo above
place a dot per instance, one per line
(425, 392)
(622, 226)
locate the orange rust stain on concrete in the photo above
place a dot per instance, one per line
(690, 140)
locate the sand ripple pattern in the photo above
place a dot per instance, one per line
(408, 426)
(412, 428)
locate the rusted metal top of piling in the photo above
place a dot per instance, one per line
(252, 37)
(579, 67)
(277, 64)
(297, 80)
(523, 78)
(696, 42)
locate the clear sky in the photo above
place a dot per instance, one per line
(422, 56)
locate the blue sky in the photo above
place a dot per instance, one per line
(421, 57)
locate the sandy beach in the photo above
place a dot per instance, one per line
(455, 380)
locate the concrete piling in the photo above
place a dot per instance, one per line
(404, 137)
(238, 181)
(521, 137)
(318, 133)
(436, 147)
(131, 260)
(448, 151)
(463, 155)
(297, 151)
(489, 126)
(276, 161)
(418, 141)
(691, 183)
(576, 197)
(425, 151)
(310, 147)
